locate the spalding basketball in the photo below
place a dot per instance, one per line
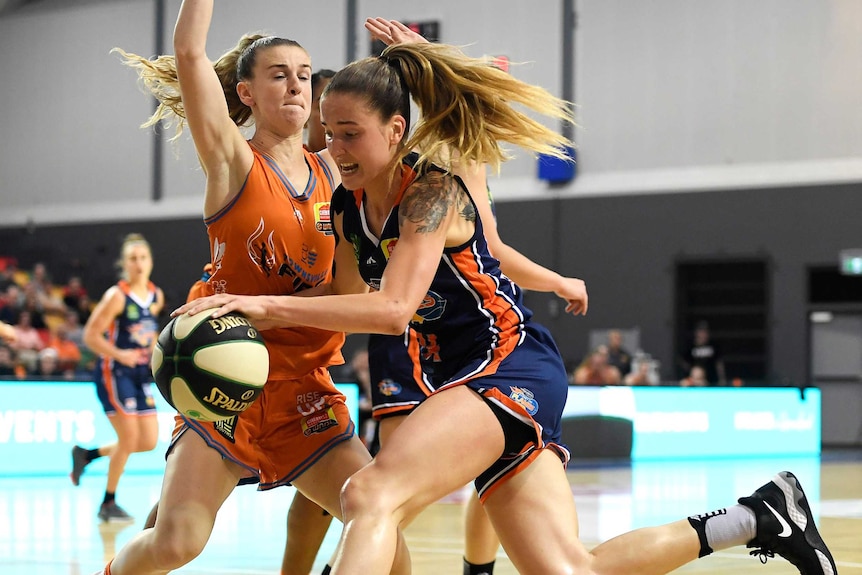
(208, 368)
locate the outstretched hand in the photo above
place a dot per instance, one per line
(252, 307)
(574, 291)
(392, 32)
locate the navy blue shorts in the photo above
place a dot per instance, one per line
(394, 387)
(125, 389)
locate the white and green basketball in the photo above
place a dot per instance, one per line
(208, 368)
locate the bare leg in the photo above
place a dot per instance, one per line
(480, 540)
(324, 481)
(135, 434)
(534, 514)
(422, 461)
(196, 483)
(307, 524)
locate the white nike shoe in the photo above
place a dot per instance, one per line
(786, 526)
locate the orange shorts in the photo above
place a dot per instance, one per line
(292, 424)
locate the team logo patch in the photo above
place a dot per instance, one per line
(322, 218)
(525, 398)
(132, 312)
(388, 387)
(318, 422)
(387, 246)
(431, 308)
(226, 428)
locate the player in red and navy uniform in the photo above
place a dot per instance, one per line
(122, 330)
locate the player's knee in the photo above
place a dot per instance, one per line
(177, 542)
(147, 444)
(363, 494)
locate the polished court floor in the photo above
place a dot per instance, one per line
(48, 527)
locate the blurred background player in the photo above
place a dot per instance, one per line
(122, 330)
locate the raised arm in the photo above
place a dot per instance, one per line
(223, 152)
(524, 271)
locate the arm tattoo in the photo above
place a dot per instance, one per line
(428, 202)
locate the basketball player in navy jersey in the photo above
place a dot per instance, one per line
(396, 383)
(409, 231)
(122, 330)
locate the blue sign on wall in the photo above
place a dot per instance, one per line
(672, 422)
(41, 421)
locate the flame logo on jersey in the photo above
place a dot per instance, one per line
(262, 253)
(525, 398)
(217, 254)
(431, 308)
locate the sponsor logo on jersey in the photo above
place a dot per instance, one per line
(132, 312)
(226, 427)
(525, 398)
(431, 308)
(322, 218)
(309, 255)
(388, 246)
(388, 387)
(319, 422)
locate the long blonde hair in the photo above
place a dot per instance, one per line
(466, 103)
(159, 77)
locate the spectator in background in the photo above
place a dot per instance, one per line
(640, 376)
(7, 274)
(48, 365)
(73, 291)
(41, 286)
(68, 352)
(595, 369)
(85, 306)
(618, 356)
(33, 305)
(695, 378)
(704, 353)
(28, 343)
(11, 304)
(7, 360)
(74, 328)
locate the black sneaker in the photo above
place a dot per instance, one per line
(785, 526)
(79, 462)
(113, 513)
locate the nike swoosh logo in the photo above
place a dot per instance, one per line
(785, 527)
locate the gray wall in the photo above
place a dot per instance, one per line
(707, 129)
(625, 248)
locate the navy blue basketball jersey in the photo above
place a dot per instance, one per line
(473, 315)
(135, 327)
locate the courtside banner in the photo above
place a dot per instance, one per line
(40, 422)
(676, 422)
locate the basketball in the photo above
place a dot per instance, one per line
(210, 369)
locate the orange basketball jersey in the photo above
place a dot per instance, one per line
(272, 239)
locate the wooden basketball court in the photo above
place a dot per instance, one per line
(48, 527)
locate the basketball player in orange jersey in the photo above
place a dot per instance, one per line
(408, 228)
(122, 330)
(267, 213)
